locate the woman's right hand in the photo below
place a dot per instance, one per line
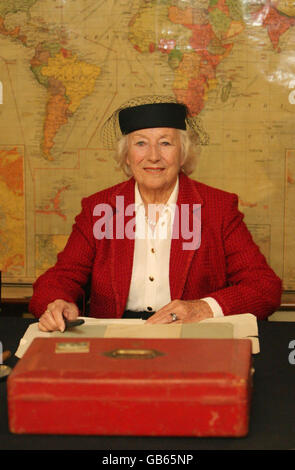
(53, 317)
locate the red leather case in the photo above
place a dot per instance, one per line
(115, 386)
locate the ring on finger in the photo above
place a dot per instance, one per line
(173, 316)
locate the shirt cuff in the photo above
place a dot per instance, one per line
(215, 307)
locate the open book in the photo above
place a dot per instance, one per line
(234, 326)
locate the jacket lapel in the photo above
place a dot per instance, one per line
(123, 244)
(189, 207)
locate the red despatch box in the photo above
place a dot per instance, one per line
(121, 386)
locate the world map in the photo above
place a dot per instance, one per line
(66, 65)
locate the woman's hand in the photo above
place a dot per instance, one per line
(52, 318)
(186, 311)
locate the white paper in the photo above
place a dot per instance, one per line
(244, 326)
(33, 331)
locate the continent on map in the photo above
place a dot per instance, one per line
(194, 39)
(53, 204)
(277, 18)
(12, 211)
(13, 33)
(10, 7)
(47, 248)
(68, 80)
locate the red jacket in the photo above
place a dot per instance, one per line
(227, 266)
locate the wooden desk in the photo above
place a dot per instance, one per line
(15, 299)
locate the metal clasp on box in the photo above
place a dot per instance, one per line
(134, 353)
(72, 347)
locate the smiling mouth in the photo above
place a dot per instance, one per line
(153, 170)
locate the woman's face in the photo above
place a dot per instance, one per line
(155, 157)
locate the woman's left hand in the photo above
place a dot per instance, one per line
(185, 311)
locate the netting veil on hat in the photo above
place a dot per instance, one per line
(111, 130)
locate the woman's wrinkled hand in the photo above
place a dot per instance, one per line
(53, 317)
(182, 311)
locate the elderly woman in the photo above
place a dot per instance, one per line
(160, 245)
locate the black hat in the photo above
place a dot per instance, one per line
(150, 111)
(152, 115)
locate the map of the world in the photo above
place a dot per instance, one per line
(66, 65)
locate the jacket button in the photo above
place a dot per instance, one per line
(151, 278)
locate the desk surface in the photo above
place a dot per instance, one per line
(272, 420)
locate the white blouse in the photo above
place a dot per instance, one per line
(150, 288)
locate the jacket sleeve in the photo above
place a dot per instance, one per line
(253, 287)
(66, 280)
